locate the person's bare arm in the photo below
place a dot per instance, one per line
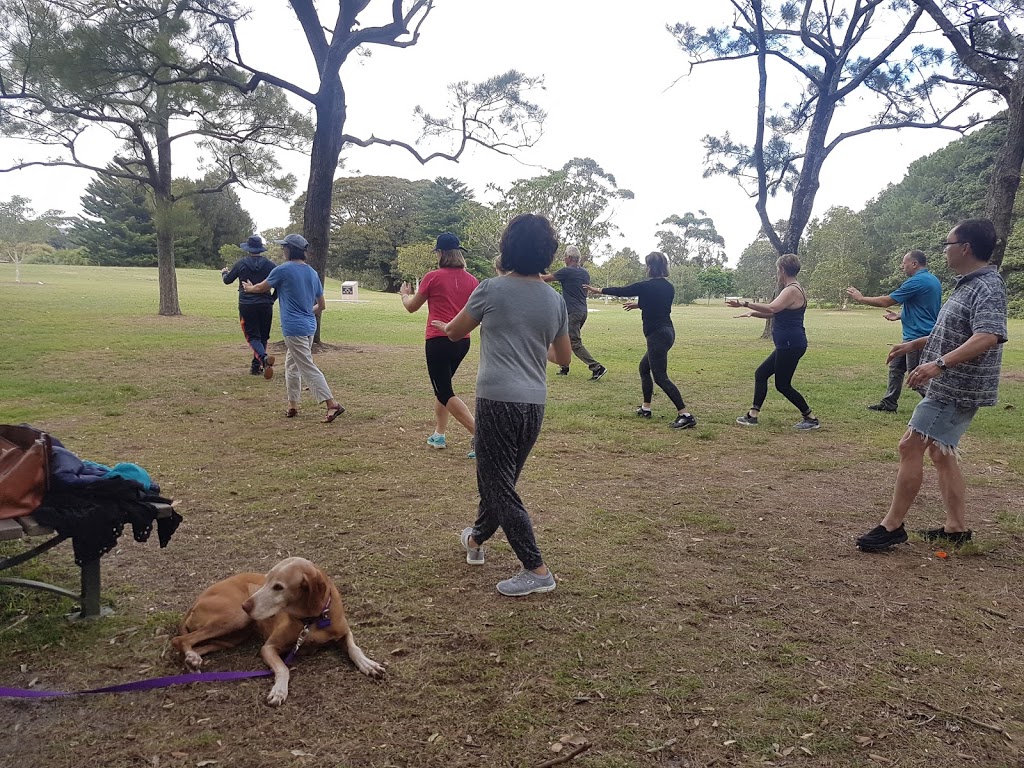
(263, 287)
(459, 327)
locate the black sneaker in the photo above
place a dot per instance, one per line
(939, 534)
(878, 539)
(255, 369)
(643, 413)
(747, 420)
(684, 421)
(563, 371)
(882, 407)
(599, 373)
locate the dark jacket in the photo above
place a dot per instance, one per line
(255, 269)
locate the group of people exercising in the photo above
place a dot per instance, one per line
(525, 325)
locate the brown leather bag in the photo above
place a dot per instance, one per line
(24, 469)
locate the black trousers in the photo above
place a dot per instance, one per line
(654, 367)
(782, 364)
(256, 320)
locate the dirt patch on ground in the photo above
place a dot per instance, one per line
(711, 608)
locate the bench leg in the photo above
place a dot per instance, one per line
(90, 589)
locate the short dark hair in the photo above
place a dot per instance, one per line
(919, 256)
(657, 264)
(981, 234)
(789, 263)
(528, 245)
(294, 252)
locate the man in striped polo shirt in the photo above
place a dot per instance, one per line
(960, 363)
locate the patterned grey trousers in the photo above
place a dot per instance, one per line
(505, 435)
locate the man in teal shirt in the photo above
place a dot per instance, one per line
(921, 296)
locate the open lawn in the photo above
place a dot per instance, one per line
(711, 607)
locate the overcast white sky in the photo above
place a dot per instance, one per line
(607, 69)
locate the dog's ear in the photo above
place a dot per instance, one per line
(314, 587)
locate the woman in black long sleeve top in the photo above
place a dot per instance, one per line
(654, 298)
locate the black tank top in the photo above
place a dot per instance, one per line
(788, 326)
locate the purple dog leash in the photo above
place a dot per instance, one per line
(161, 682)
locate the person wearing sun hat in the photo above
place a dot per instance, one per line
(255, 310)
(445, 291)
(301, 295)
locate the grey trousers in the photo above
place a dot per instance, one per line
(576, 321)
(505, 435)
(299, 366)
(898, 369)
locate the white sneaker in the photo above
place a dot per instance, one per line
(526, 583)
(474, 555)
(437, 441)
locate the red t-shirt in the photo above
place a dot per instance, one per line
(447, 291)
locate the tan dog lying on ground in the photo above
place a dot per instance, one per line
(294, 599)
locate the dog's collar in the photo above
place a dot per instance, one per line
(323, 619)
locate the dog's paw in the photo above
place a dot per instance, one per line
(371, 668)
(193, 660)
(277, 695)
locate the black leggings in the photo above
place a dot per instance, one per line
(443, 359)
(654, 367)
(782, 364)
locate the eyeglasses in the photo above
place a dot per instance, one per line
(944, 246)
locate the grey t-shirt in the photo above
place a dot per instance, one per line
(573, 279)
(519, 318)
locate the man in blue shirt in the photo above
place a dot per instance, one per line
(300, 300)
(921, 296)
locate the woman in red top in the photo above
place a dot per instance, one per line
(445, 291)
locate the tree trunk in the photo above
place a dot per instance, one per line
(1005, 179)
(164, 221)
(323, 162)
(168, 278)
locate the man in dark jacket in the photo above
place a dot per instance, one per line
(255, 310)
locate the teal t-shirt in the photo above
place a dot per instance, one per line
(298, 288)
(921, 297)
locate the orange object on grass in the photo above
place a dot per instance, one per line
(941, 555)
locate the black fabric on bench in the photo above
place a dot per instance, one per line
(94, 516)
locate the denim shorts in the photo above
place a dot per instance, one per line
(942, 423)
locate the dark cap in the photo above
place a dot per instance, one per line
(446, 241)
(253, 245)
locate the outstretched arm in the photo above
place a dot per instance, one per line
(411, 301)
(460, 326)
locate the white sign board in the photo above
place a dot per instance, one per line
(350, 290)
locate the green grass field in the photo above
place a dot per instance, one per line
(711, 608)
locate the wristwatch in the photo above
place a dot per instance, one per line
(941, 364)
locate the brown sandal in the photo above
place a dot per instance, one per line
(291, 413)
(333, 413)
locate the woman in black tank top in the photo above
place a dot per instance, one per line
(790, 344)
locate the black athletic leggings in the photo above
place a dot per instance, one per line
(654, 366)
(443, 359)
(782, 364)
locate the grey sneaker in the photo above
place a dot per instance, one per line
(474, 555)
(807, 424)
(747, 420)
(526, 583)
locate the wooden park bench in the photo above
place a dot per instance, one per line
(27, 526)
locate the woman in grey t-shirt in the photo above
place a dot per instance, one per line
(520, 317)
